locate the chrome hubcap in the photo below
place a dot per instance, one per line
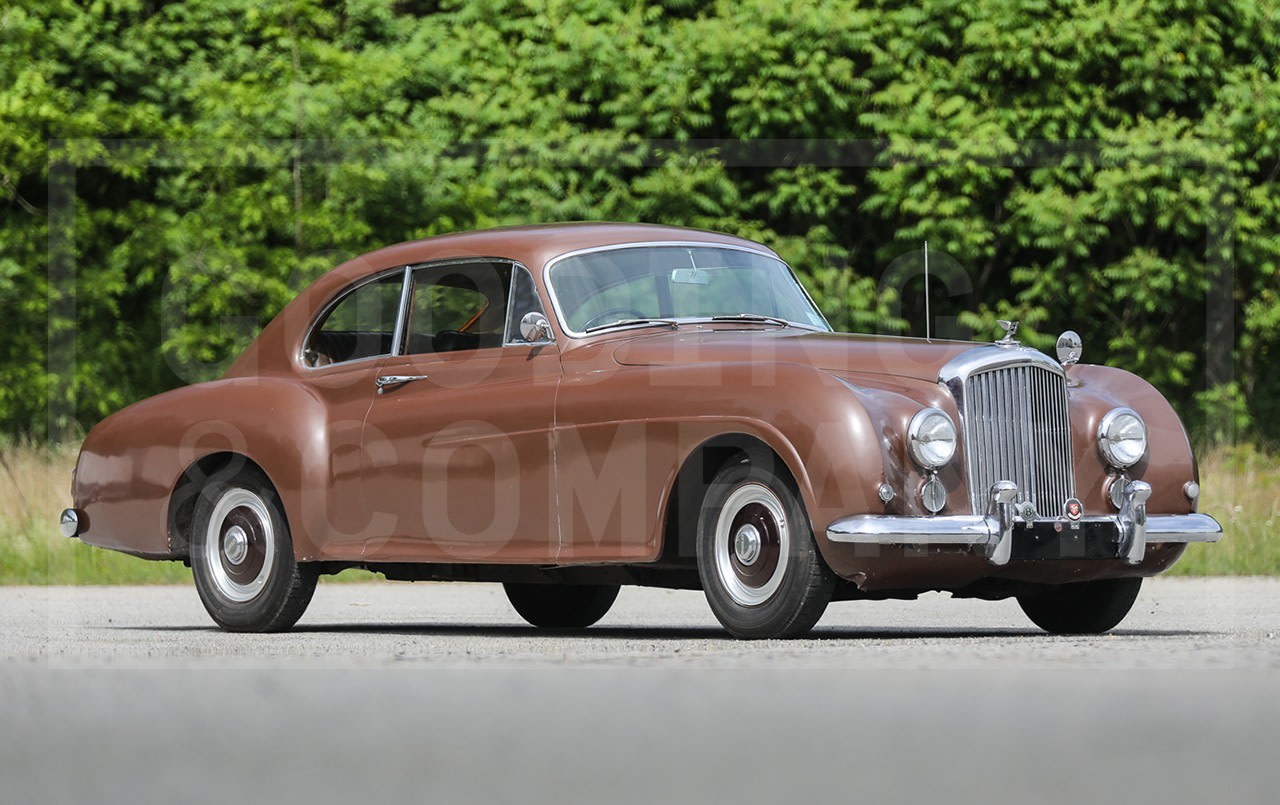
(240, 545)
(235, 545)
(746, 544)
(752, 544)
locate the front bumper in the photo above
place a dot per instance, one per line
(1001, 535)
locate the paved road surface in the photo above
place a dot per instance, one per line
(439, 693)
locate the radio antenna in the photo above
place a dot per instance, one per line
(928, 330)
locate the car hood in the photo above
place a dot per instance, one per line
(833, 352)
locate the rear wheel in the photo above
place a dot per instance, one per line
(1087, 607)
(242, 556)
(561, 606)
(757, 558)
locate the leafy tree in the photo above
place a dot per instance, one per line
(171, 173)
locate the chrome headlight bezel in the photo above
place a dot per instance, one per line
(1115, 431)
(922, 437)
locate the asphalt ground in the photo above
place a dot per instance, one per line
(435, 692)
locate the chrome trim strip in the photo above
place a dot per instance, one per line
(987, 357)
(402, 316)
(663, 244)
(763, 251)
(511, 298)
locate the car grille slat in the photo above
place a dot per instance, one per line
(1017, 429)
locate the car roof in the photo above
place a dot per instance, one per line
(531, 245)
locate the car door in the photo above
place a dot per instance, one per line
(457, 441)
(342, 354)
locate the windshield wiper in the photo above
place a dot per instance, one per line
(672, 323)
(753, 317)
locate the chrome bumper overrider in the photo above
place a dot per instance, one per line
(992, 534)
(69, 523)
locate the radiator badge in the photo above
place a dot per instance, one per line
(1072, 509)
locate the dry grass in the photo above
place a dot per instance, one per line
(34, 487)
(1241, 488)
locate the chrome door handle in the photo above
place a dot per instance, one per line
(395, 380)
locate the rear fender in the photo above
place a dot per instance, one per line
(134, 461)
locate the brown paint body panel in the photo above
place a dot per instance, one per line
(464, 472)
(566, 454)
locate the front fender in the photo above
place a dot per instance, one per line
(1170, 462)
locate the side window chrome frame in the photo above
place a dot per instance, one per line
(400, 334)
(397, 335)
(411, 284)
(511, 332)
(402, 316)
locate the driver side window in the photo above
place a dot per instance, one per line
(458, 307)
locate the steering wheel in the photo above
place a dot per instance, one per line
(600, 317)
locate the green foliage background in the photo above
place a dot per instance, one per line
(172, 173)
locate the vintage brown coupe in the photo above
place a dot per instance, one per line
(567, 409)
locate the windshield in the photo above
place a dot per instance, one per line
(675, 283)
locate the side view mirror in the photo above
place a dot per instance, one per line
(1069, 348)
(535, 328)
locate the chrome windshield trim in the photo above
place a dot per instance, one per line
(678, 322)
(759, 251)
(644, 244)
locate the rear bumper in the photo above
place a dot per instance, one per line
(1001, 536)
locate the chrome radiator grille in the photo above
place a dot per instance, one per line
(1017, 429)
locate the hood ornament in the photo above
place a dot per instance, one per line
(1009, 327)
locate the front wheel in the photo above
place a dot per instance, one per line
(242, 556)
(1085, 607)
(759, 564)
(561, 606)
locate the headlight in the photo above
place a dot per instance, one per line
(1122, 438)
(932, 437)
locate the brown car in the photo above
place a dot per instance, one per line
(567, 409)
